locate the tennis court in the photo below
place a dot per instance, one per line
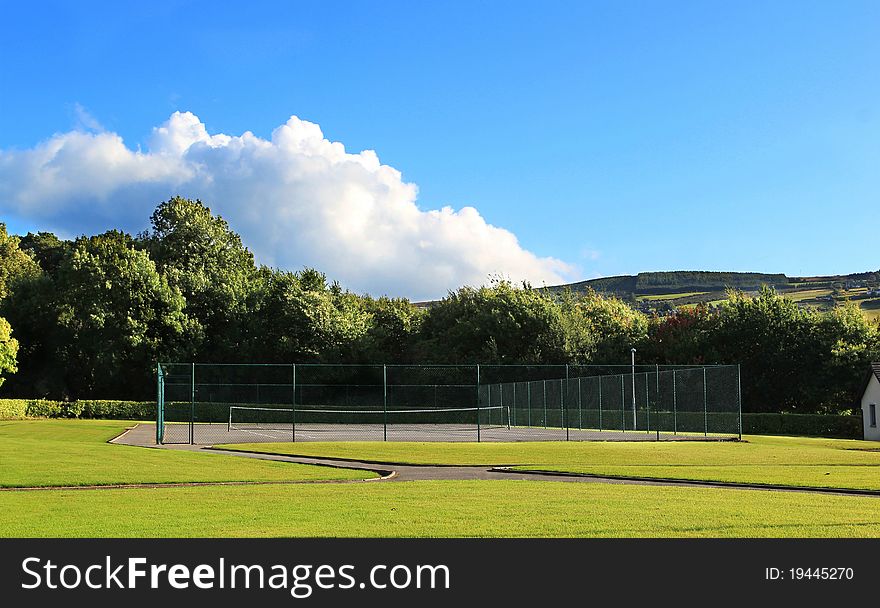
(232, 403)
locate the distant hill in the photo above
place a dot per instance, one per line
(678, 281)
(663, 292)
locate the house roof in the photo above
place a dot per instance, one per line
(873, 371)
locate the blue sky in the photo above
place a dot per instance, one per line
(610, 137)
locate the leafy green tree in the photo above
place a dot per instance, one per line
(776, 343)
(501, 323)
(848, 343)
(15, 264)
(46, 248)
(203, 258)
(117, 316)
(8, 350)
(614, 326)
(298, 318)
(391, 333)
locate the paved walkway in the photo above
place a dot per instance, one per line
(144, 435)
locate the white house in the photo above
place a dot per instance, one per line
(871, 402)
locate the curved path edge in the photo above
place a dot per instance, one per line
(141, 435)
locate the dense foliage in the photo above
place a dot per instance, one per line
(92, 316)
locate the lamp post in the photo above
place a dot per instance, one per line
(633, 353)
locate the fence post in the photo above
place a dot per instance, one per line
(739, 400)
(514, 407)
(500, 402)
(657, 394)
(705, 407)
(562, 400)
(192, 406)
(580, 410)
(622, 406)
(529, 403)
(674, 406)
(599, 379)
(293, 402)
(160, 405)
(647, 403)
(384, 402)
(478, 401)
(545, 402)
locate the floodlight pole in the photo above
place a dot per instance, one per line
(633, 353)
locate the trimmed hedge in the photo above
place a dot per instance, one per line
(809, 425)
(11, 409)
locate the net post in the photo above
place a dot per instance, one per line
(293, 402)
(674, 405)
(508, 417)
(705, 406)
(478, 401)
(229, 420)
(160, 405)
(739, 400)
(562, 401)
(192, 406)
(384, 402)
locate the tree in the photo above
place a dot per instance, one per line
(392, 330)
(681, 338)
(117, 316)
(501, 323)
(614, 326)
(46, 248)
(776, 343)
(203, 258)
(15, 264)
(298, 318)
(8, 350)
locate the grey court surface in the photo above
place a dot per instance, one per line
(211, 433)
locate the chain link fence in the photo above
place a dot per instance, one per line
(201, 403)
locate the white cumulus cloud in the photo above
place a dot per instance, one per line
(297, 199)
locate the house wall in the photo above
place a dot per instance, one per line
(872, 395)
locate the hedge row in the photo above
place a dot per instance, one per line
(809, 425)
(11, 409)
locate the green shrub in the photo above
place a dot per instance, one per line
(13, 409)
(42, 408)
(117, 410)
(810, 425)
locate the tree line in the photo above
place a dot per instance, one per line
(90, 317)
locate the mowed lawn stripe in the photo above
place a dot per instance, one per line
(75, 453)
(792, 461)
(438, 509)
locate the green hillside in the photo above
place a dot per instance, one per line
(666, 291)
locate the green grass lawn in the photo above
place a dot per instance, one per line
(71, 452)
(437, 509)
(795, 461)
(75, 452)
